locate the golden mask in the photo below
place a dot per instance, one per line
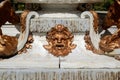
(59, 41)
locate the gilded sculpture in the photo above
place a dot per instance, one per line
(89, 44)
(7, 13)
(27, 45)
(23, 19)
(59, 40)
(8, 44)
(110, 41)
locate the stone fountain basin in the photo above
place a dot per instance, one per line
(59, 1)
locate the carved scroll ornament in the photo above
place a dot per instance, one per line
(59, 41)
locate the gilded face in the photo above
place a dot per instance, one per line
(60, 41)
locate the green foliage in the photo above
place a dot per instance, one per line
(21, 6)
(103, 6)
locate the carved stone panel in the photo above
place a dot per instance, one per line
(73, 24)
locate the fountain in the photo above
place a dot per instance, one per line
(40, 62)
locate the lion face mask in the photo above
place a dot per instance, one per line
(59, 41)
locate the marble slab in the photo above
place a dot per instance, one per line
(82, 58)
(37, 57)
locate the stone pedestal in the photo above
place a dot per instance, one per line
(38, 64)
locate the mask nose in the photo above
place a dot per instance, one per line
(59, 40)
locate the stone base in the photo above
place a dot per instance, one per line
(59, 74)
(38, 57)
(38, 64)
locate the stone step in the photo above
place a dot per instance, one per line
(59, 74)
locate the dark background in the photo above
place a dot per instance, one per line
(96, 6)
